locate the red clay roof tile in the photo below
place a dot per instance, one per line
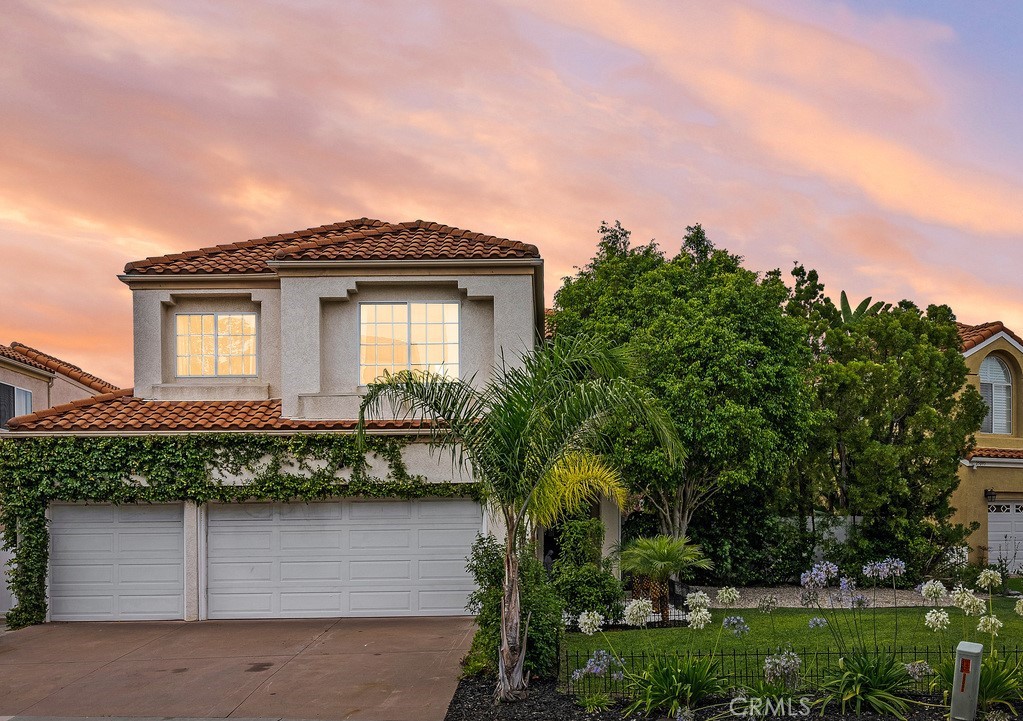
(1013, 453)
(974, 335)
(44, 361)
(361, 239)
(122, 412)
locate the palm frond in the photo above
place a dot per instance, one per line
(578, 478)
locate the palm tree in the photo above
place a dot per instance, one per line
(658, 559)
(529, 438)
(863, 310)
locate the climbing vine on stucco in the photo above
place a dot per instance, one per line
(194, 467)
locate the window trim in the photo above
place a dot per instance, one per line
(1008, 387)
(216, 342)
(408, 304)
(31, 398)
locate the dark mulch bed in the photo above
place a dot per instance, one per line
(474, 701)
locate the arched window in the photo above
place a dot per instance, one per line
(996, 388)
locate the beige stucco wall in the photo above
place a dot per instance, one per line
(1007, 482)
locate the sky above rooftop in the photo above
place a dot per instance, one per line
(878, 142)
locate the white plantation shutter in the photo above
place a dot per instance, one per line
(996, 390)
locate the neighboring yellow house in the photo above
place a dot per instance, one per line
(991, 490)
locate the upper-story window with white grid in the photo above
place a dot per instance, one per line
(407, 336)
(216, 344)
(996, 389)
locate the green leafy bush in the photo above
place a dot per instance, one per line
(540, 603)
(580, 542)
(590, 588)
(672, 683)
(874, 680)
(1001, 682)
(597, 701)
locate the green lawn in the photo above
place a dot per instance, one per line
(790, 626)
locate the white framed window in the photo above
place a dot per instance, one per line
(996, 389)
(408, 336)
(216, 344)
(14, 401)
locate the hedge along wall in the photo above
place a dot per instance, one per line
(194, 467)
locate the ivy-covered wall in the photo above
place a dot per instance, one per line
(194, 467)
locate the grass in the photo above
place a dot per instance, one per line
(787, 626)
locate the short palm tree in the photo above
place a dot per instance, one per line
(658, 559)
(529, 438)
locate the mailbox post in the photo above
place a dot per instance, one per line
(966, 681)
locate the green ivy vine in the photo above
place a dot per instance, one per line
(155, 469)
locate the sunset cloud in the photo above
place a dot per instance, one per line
(817, 132)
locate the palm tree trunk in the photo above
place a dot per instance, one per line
(512, 682)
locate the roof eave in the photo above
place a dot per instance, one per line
(407, 263)
(42, 374)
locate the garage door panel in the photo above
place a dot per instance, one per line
(308, 540)
(380, 570)
(311, 571)
(244, 511)
(230, 539)
(116, 562)
(380, 601)
(77, 543)
(361, 510)
(447, 602)
(366, 539)
(452, 569)
(361, 558)
(324, 603)
(447, 537)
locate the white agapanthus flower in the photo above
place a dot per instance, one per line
(637, 611)
(1019, 607)
(728, 596)
(936, 620)
(590, 622)
(698, 599)
(989, 624)
(989, 578)
(934, 590)
(699, 618)
(970, 603)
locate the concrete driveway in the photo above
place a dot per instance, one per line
(384, 669)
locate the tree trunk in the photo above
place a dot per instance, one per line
(512, 681)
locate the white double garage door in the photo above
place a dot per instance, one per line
(257, 560)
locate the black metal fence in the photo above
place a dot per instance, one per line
(740, 668)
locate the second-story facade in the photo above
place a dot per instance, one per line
(281, 336)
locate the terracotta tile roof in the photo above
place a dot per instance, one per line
(360, 239)
(974, 335)
(1012, 453)
(44, 361)
(415, 240)
(249, 256)
(7, 352)
(57, 365)
(121, 412)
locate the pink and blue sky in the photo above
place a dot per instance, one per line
(878, 142)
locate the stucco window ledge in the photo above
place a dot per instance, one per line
(209, 391)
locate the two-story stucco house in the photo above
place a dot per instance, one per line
(281, 335)
(991, 488)
(31, 380)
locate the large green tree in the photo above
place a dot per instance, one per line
(896, 416)
(720, 352)
(530, 438)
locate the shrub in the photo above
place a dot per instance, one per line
(871, 679)
(1001, 682)
(673, 683)
(540, 603)
(580, 542)
(591, 588)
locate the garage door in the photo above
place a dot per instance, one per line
(350, 558)
(1005, 534)
(116, 562)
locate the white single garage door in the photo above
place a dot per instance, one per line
(113, 563)
(1005, 534)
(347, 558)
